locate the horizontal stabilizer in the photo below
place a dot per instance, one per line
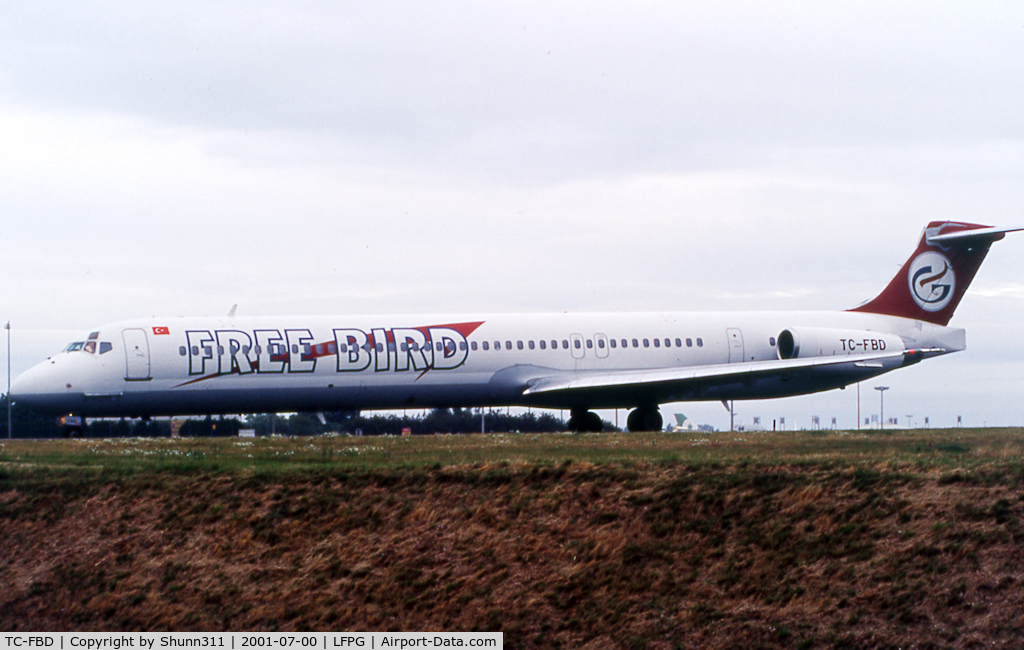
(970, 237)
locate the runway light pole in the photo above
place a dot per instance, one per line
(858, 405)
(8, 328)
(881, 405)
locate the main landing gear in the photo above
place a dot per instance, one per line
(643, 418)
(584, 421)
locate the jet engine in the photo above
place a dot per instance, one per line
(805, 342)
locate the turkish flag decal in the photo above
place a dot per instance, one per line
(161, 331)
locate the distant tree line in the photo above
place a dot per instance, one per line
(27, 424)
(435, 421)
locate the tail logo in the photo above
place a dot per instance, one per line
(931, 281)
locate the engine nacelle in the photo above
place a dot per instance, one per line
(805, 342)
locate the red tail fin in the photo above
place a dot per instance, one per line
(934, 279)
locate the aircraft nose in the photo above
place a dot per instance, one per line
(28, 382)
(42, 387)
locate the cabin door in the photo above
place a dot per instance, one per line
(576, 346)
(735, 344)
(136, 351)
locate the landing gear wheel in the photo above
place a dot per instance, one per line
(645, 418)
(582, 421)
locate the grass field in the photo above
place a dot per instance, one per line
(797, 539)
(920, 450)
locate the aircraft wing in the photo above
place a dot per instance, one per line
(662, 385)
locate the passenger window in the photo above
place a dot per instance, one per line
(668, 343)
(462, 345)
(657, 343)
(689, 343)
(612, 342)
(530, 344)
(472, 345)
(576, 344)
(182, 351)
(543, 345)
(497, 345)
(565, 344)
(647, 343)
(771, 340)
(700, 343)
(508, 345)
(590, 344)
(487, 346)
(679, 343)
(519, 344)
(635, 344)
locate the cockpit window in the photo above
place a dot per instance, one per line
(90, 346)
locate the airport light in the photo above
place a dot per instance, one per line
(8, 328)
(881, 405)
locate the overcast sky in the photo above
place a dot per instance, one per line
(342, 158)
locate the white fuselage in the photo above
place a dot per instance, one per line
(185, 366)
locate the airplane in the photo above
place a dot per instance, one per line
(579, 362)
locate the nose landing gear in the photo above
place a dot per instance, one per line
(71, 426)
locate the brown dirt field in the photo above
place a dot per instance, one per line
(570, 556)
